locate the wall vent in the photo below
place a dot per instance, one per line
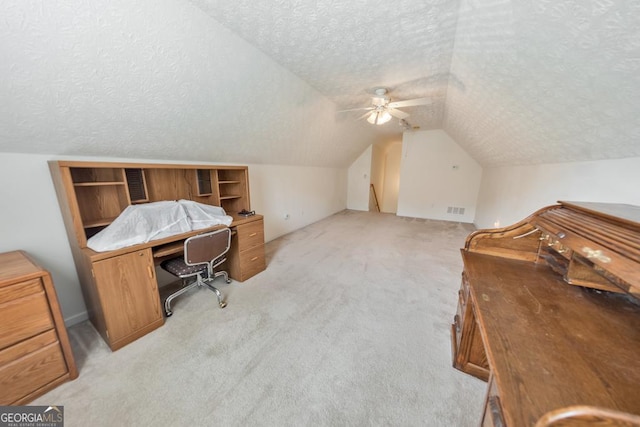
(455, 210)
(137, 185)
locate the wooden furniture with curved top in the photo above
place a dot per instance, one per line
(578, 416)
(549, 314)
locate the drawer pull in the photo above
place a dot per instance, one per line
(254, 258)
(150, 271)
(253, 234)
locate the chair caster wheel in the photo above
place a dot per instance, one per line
(228, 280)
(169, 313)
(223, 304)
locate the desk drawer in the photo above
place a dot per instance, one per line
(30, 365)
(252, 262)
(250, 235)
(24, 312)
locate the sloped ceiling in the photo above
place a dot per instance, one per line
(260, 81)
(513, 82)
(546, 81)
(347, 49)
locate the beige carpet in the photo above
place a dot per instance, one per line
(349, 325)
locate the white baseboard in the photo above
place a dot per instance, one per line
(76, 318)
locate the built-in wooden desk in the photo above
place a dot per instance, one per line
(119, 287)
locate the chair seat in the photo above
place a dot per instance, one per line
(202, 254)
(177, 267)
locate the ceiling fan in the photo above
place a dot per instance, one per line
(382, 109)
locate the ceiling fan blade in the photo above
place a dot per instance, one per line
(397, 113)
(355, 109)
(410, 103)
(368, 113)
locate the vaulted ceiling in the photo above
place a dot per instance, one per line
(259, 81)
(512, 81)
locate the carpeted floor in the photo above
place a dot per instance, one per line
(349, 325)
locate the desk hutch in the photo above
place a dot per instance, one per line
(120, 287)
(549, 315)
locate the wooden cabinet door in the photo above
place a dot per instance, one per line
(128, 293)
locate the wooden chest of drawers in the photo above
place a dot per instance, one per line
(246, 258)
(35, 355)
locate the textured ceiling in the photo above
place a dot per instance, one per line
(260, 81)
(346, 49)
(546, 81)
(525, 82)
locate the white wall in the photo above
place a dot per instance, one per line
(304, 194)
(359, 181)
(510, 194)
(392, 161)
(31, 221)
(436, 173)
(378, 154)
(31, 218)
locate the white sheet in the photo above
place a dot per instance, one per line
(152, 221)
(203, 216)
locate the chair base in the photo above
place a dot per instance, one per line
(198, 282)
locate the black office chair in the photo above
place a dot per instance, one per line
(202, 254)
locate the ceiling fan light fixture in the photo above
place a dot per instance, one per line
(379, 117)
(384, 117)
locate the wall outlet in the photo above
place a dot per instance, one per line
(286, 216)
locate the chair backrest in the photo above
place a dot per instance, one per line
(581, 416)
(207, 247)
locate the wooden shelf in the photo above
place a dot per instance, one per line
(98, 192)
(98, 222)
(96, 184)
(168, 249)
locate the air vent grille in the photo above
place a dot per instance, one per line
(455, 210)
(136, 184)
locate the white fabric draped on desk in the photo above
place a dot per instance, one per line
(152, 221)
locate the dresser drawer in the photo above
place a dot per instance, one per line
(252, 262)
(24, 312)
(250, 235)
(30, 365)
